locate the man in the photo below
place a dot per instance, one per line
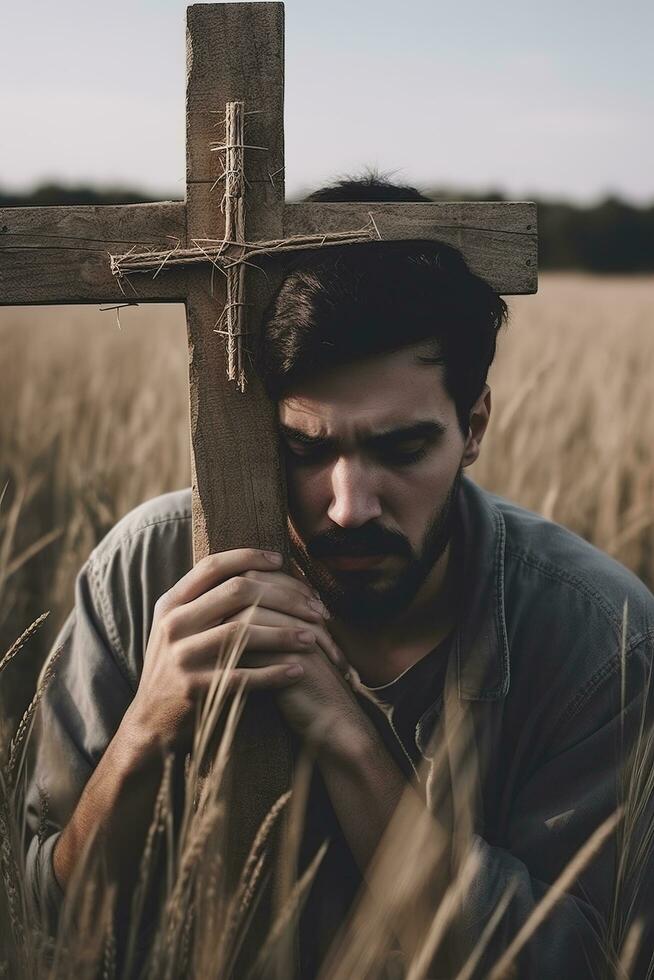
(405, 574)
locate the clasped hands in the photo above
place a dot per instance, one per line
(287, 649)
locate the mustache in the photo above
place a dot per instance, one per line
(359, 543)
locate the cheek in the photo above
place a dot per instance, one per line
(308, 493)
(416, 495)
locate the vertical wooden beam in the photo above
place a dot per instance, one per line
(236, 54)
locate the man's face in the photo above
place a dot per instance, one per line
(374, 455)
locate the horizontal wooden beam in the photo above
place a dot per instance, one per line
(61, 254)
(498, 239)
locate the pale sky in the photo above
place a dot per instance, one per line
(551, 98)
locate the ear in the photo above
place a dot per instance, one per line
(479, 416)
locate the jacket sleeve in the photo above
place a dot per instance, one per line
(99, 656)
(81, 708)
(603, 759)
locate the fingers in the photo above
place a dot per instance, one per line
(261, 678)
(272, 633)
(281, 578)
(238, 594)
(216, 568)
(278, 675)
(323, 638)
(202, 651)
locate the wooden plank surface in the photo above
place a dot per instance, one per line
(498, 239)
(236, 53)
(61, 254)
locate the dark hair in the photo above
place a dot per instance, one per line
(371, 186)
(344, 303)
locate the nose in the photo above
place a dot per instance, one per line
(355, 498)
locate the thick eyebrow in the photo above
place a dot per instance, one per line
(427, 429)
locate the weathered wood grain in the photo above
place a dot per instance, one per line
(498, 239)
(61, 254)
(236, 53)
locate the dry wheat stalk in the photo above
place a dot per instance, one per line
(469, 967)
(157, 826)
(17, 745)
(9, 871)
(447, 909)
(26, 635)
(288, 913)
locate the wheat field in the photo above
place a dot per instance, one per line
(94, 420)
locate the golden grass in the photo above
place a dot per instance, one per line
(572, 433)
(94, 420)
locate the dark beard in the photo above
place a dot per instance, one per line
(355, 597)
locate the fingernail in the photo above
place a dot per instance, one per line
(274, 557)
(319, 607)
(306, 636)
(294, 670)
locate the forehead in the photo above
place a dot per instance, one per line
(368, 395)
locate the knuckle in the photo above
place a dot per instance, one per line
(235, 587)
(162, 605)
(233, 630)
(245, 586)
(188, 688)
(236, 677)
(208, 563)
(238, 631)
(179, 653)
(170, 624)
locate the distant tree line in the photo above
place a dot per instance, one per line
(611, 236)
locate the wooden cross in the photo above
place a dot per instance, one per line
(62, 255)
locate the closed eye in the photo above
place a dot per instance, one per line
(391, 455)
(308, 455)
(403, 456)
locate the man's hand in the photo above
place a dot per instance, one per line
(201, 615)
(321, 707)
(193, 623)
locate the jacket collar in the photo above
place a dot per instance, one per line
(480, 643)
(479, 653)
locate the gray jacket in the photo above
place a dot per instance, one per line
(536, 659)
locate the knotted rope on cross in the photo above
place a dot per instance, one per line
(232, 253)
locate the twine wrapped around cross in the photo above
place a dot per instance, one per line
(232, 253)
